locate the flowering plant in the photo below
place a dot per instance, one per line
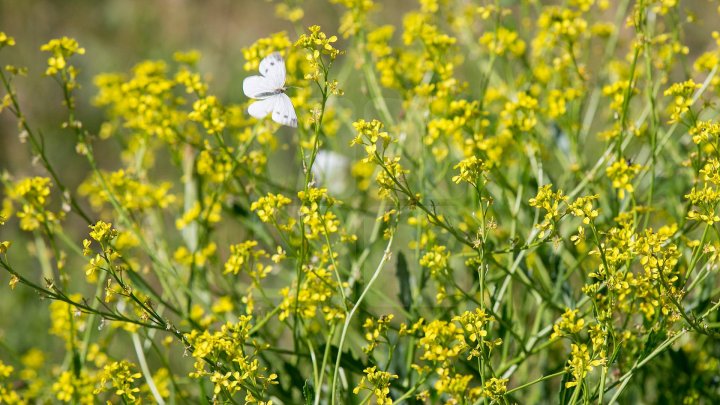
(482, 204)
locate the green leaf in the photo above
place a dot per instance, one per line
(403, 276)
(564, 395)
(308, 392)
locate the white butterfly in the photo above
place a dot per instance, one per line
(269, 90)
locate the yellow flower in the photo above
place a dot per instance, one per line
(267, 207)
(62, 49)
(355, 18)
(472, 170)
(378, 383)
(286, 12)
(495, 388)
(682, 98)
(6, 40)
(34, 195)
(436, 260)
(75, 388)
(210, 114)
(278, 42)
(503, 42)
(580, 364)
(622, 173)
(568, 324)
(121, 377)
(550, 202)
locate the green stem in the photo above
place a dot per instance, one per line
(346, 325)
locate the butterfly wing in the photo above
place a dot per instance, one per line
(272, 67)
(258, 87)
(261, 108)
(269, 88)
(283, 111)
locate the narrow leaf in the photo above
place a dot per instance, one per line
(403, 277)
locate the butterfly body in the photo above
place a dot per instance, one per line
(269, 89)
(269, 93)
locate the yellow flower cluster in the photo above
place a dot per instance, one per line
(436, 259)
(450, 126)
(66, 320)
(355, 18)
(617, 92)
(495, 388)
(210, 114)
(622, 173)
(520, 116)
(200, 257)
(286, 11)
(215, 165)
(705, 200)
(707, 61)
(706, 134)
(267, 207)
(103, 232)
(244, 257)
(33, 196)
(191, 80)
(429, 52)
(580, 364)
(557, 101)
(6, 40)
(70, 387)
(207, 211)
(147, 105)
(316, 219)
(369, 134)
(316, 292)
(473, 171)
(128, 190)
(549, 201)
(121, 378)
(476, 324)
(278, 42)
(318, 44)
(561, 24)
(568, 324)
(441, 341)
(457, 386)
(652, 290)
(503, 42)
(374, 330)
(62, 49)
(378, 383)
(239, 370)
(583, 208)
(7, 393)
(682, 94)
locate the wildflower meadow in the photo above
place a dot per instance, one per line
(421, 202)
